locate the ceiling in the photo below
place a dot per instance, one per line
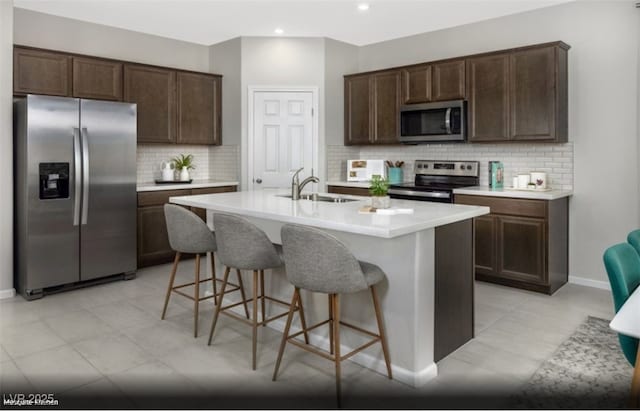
(212, 21)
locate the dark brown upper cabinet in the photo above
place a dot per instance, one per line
(153, 90)
(416, 84)
(41, 72)
(97, 79)
(357, 102)
(386, 106)
(199, 99)
(520, 95)
(513, 95)
(538, 94)
(449, 80)
(372, 104)
(488, 97)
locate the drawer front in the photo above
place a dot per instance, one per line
(213, 190)
(151, 198)
(506, 206)
(354, 191)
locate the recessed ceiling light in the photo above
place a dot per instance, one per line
(363, 6)
(278, 31)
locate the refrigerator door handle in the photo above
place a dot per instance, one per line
(77, 160)
(85, 175)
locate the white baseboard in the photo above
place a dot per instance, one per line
(604, 285)
(9, 293)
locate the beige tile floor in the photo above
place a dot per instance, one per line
(105, 346)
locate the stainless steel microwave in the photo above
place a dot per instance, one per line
(433, 122)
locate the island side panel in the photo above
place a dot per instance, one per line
(454, 285)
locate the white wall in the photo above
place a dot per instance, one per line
(275, 61)
(603, 105)
(6, 147)
(58, 33)
(340, 59)
(225, 58)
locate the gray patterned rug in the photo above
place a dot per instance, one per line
(587, 371)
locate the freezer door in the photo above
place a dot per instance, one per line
(46, 193)
(108, 218)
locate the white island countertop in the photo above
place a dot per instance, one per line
(267, 204)
(510, 192)
(184, 186)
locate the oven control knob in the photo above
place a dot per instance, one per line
(462, 167)
(426, 166)
(468, 167)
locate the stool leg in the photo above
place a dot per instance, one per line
(383, 335)
(244, 299)
(285, 335)
(215, 316)
(303, 321)
(214, 280)
(254, 342)
(171, 280)
(330, 323)
(196, 299)
(336, 339)
(262, 296)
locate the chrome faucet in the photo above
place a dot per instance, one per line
(297, 186)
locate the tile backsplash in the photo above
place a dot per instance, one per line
(554, 159)
(215, 162)
(224, 162)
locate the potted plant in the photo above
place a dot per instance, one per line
(379, 189)
(184, 163)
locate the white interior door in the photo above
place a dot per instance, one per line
(282, 138)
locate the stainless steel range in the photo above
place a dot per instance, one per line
(436, 180)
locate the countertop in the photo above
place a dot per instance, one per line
(509, 192)
(266, 204)
(194, 184)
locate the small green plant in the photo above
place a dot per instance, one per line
(379, 186)
(182, 161)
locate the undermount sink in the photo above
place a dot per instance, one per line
(316, 197)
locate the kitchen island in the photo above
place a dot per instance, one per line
(427, 300)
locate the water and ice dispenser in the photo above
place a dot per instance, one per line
(54, 180)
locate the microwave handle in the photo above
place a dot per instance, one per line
(447, 120)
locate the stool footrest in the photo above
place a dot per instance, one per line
(312, 349)
(192, 298)
(224, 309)
(313, 327)
(316, 350)
(191, 283)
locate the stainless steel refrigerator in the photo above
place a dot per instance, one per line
(75, 191)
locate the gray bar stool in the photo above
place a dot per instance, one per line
(244, 246)
(317, 261)
(188, 234)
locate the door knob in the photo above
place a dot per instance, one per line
(259, 180)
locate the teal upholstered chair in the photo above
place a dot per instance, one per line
(623, 268)
(634, 239)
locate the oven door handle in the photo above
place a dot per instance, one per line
(427, 194)
(447, 120)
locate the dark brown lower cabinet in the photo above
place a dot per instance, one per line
(522, 243)
(353, 191)
(153, 240)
